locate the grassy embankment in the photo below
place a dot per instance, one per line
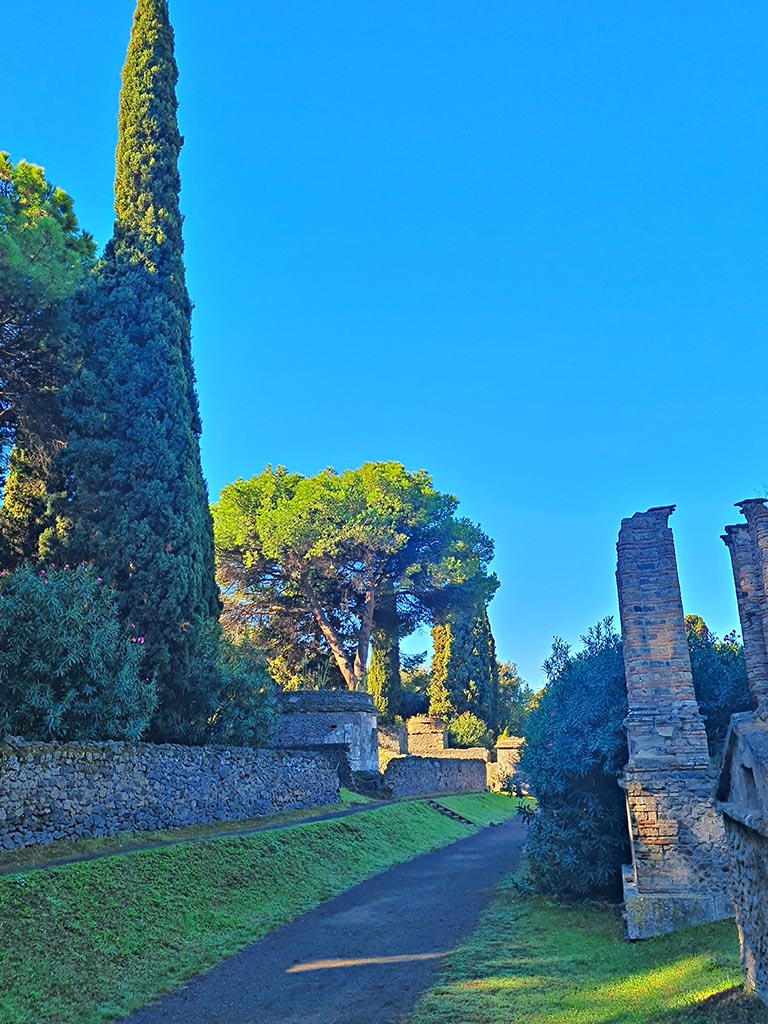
(531, 962)
(92, 941)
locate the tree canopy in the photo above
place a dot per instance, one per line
(305, 560)
(43, 257)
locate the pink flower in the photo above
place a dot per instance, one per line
(141, 639)
(99, 580)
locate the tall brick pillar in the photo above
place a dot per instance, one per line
(677, 875)
(751, 600)
(748, 545)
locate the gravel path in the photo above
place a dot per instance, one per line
(361, 958)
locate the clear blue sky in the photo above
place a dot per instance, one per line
(522, 246)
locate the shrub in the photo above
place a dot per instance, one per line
(68, 671)
(575, 749)
(467, 730)
(231, 696)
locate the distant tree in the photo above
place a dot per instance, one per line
(344, 550)
(575, 749)
(516, 701)
(43, 257)
(383, 681)
(719, 679)
(135, 501)
(464, 667)
(414, 685)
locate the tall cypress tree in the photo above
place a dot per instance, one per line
(464, 673)
(384, 670)
(135, 502)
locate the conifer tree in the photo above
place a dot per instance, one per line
(384, 671)
(439, 696)
(464, 669)
(135, 502)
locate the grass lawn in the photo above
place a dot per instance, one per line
(482, 808)
(92, 941)
(530, 962)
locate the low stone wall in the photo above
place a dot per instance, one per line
(467, 753)
(415, 776)
(310, 718)
(51, 791)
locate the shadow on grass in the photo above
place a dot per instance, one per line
(531, 962)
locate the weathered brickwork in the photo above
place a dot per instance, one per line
(393, 739)
(743, 785)
(51, 791)
(425, 735)
(417, 776)
(678, 873)
(317, 717)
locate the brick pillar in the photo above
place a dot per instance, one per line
(676, 877)
(756, 514)
(751, 599)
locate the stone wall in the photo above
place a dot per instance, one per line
(678, 875)
(508, 753)
(393, 738)
(310, 718)
(416, 776)
(426, 735)
(75, 790)
(743, 785)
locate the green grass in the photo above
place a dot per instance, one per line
(69, 849)
(530, 962)
(482, 808)
(349, 797)
(92, 941)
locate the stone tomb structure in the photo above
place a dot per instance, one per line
(677, 876)
(743, 784)
(312, 719)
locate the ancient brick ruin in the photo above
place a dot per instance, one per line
(677, 876)
(743, 785)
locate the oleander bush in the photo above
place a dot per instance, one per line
(68, 669)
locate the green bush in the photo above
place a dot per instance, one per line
(467, 730)
(68, 671)
(575, 748)
(231, 696)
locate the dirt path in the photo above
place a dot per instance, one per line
(361, 958)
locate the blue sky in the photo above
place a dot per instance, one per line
(521, 246)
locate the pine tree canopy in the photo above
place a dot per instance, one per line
(368, 554)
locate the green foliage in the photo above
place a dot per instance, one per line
(516, 701)
(232, 698)
(67, 669)
(141, 924)
(467, 730)
(134, 500)
(464, 668)
(383, 678)
(719, 679)
(43, 256)
(439, 695)
(318, 564)
(414, 685)
(575, 749)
